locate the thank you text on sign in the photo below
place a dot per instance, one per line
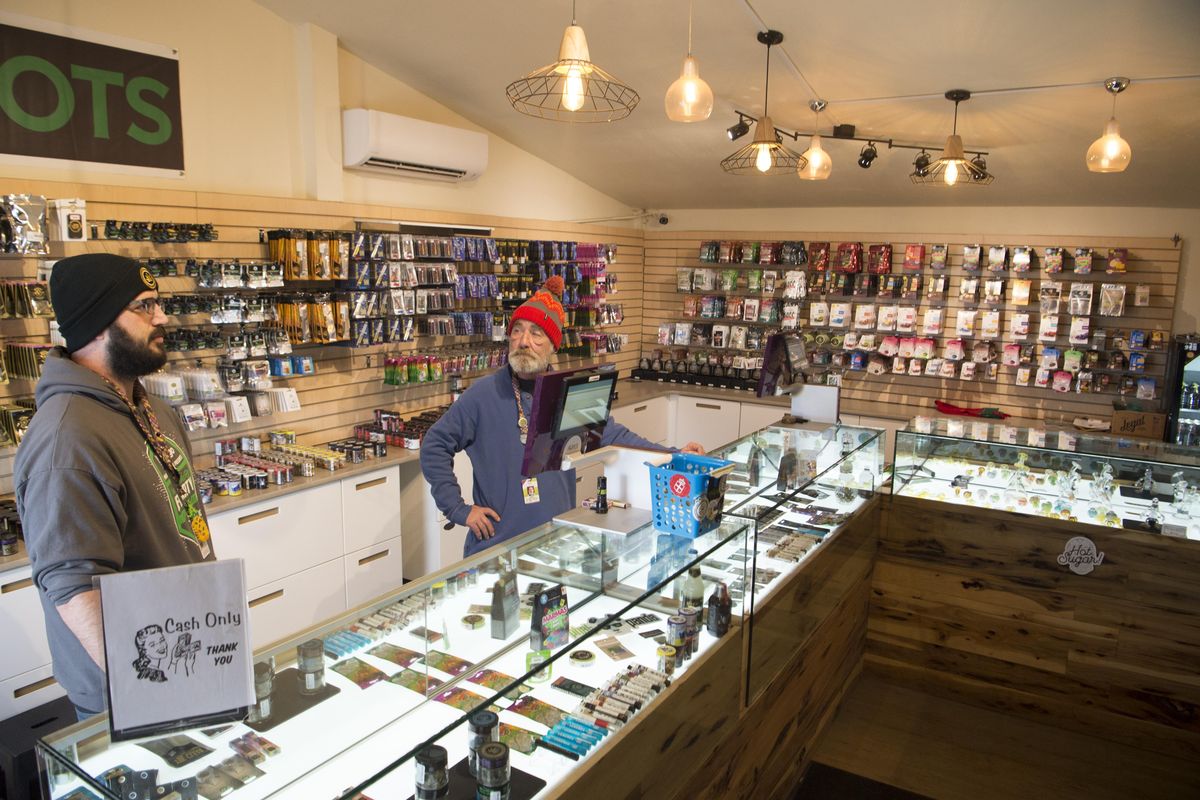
(63, 97)
(177, 642)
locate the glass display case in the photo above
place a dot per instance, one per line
(798, 485)
(344, 707)
(1100, 479)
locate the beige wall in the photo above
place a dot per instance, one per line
(261, 115)
(986, 223)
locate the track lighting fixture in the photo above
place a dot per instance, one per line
(867, 155)
(738, 129)
(921, 164)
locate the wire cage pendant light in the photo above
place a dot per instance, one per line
(765, 155)
(572, 89)
(953, 168)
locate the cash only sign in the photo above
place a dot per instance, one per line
(71, 94)
(177, 642)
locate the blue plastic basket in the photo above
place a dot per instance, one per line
(687, 494)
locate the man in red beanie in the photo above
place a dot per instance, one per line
(103, 477)
(490, 422)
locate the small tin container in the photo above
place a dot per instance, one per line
(692, 615)
(666, 659)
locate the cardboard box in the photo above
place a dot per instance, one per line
(1140, 424)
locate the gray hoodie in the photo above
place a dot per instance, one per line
(93, 500)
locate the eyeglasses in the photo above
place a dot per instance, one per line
(147, 306)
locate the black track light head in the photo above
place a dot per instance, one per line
(867, 155)
(980, 162)
(738, 130)
(921, 164)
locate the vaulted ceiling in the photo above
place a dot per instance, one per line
(881, 66)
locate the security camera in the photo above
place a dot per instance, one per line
(662, 219)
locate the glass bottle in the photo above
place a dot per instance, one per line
(692, 591)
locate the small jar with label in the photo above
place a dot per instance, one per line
(264, 685)
(482, 727)
(433, 780)
(494, 773)
(310, 664)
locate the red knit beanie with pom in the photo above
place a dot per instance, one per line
(545, 310)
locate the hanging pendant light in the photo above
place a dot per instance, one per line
(572, 89)
(1111, 153)
(819, 163)
(952, 168)
(689, 98)
(766, 154)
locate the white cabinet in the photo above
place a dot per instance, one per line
(282, 608)
(282, 536)
(712, 423)
(25, 644)
(373, 571)
(26, 679)
(370, 508)
(756, 417)
(28, 690)
(650, 419)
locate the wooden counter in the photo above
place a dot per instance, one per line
(972, 603)
(803, 647)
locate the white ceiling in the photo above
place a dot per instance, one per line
(464, 52)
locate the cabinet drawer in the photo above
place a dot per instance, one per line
(712, 423)
(283, 608)
(756, 417)
(371, 508)
(650, 419)
(283, 536)
(373, 571)
(22, 625)
(28, 690)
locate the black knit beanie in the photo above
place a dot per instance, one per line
(89, 291)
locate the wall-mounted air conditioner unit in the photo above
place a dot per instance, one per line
(412, 148)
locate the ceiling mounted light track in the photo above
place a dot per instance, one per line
(1111, 153)
(765, 155)
(952, 167)
(572, 89)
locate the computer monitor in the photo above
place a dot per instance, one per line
(570, 409)
(784, 361)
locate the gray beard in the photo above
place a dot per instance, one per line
(526, 363)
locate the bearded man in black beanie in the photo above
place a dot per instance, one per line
(103, 477)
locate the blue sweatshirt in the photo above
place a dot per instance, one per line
(484, 423)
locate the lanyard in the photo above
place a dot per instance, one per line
(147, 423)
(522, 421)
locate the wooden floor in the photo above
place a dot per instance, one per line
(948, 750)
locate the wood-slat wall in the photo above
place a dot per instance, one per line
(348, 382)
(1151, 261)
(972, 604)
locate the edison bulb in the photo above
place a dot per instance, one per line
(951, 176)
(573, 90)
(763, 161)
(689, 99)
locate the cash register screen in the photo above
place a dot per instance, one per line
(585, 404)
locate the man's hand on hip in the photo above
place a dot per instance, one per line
(479, 520)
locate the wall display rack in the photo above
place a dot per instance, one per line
(1048, 325)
